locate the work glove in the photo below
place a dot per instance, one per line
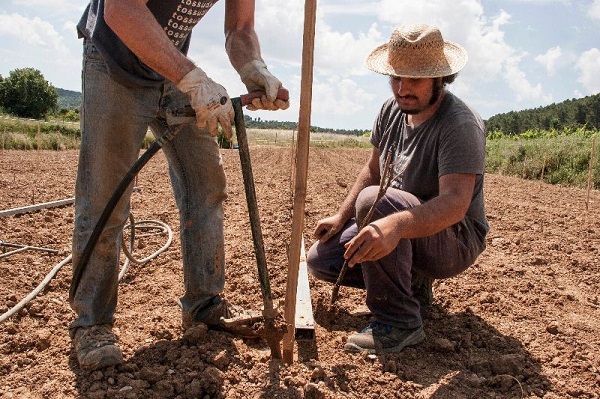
(257, 77)
(210, 101)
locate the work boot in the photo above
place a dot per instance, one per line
(96, 347)
(422, 288)
(382, 338)
(221, 315)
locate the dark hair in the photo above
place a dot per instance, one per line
(446, 80)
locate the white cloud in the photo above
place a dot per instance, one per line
(543, 2)
(55, 6)
(35, 43)
(594, 10)
(519, 84)
(343, 53)
(589, 67)
(32, 32)
(550, 59)
(343, 8)
(340, 97)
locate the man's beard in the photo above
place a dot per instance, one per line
(436, 91)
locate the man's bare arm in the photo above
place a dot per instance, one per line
(135, 25)
(241, 41)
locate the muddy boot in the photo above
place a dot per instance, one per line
(96, 347)
(382, 338)
(422, 288)
(219, 314)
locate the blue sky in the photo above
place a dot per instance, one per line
(522, 53)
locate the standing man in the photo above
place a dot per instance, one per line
(135, 69)
(431, 222)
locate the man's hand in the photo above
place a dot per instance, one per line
(373, 242)
(328, 227)
(257, 77)
(210, 101)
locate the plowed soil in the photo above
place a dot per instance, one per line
(522, 322)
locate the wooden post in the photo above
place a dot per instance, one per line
(590, 172)
(310, 14)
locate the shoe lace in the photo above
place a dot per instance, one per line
(97, 336)
(377, 325)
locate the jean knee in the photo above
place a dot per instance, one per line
(365, 201)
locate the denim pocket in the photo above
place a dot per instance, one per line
(92, 57)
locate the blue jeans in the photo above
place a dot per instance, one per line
(388, 280)
(114, 121)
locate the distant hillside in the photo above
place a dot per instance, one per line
(569, 114)
(68, 98)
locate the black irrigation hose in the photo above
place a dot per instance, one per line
(110, 206)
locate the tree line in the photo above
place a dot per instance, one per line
(582, 113)
(258, 123)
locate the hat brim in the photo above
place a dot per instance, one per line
(455, 58)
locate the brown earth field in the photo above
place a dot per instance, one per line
(522, 322)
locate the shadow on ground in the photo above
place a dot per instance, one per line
(463, 356)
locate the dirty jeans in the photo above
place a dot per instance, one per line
(114, 122)
(388, 280)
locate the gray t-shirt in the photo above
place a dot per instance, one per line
(451, 141)
(177, 18)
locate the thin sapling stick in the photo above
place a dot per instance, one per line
(386, 180)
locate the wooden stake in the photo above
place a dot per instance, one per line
(590, 174)
(310, 14)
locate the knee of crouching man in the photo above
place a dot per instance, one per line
(363, 204)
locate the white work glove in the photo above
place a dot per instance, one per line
(210, 101)
(257, 77)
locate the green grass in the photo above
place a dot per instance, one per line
(556, 157)
(30, 134)
(27, 134)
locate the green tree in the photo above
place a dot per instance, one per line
(26, 93)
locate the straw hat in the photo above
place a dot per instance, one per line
(417, 51)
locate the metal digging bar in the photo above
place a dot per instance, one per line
(274, 327)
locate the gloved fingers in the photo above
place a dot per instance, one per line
(225, 120)
(209, 100)
(257, 77)
(213, 126)
(201, 120)
(272, 86)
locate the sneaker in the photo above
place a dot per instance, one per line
(382, 338)
(96, 347)
(221, 315)
(422, 288)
